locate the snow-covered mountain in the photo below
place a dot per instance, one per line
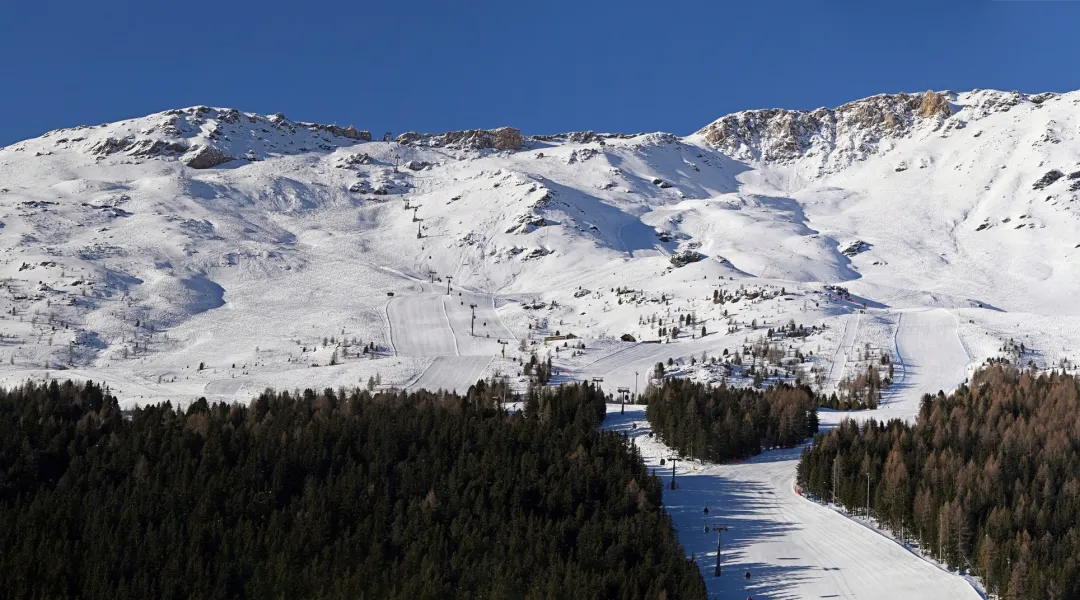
(136, 251)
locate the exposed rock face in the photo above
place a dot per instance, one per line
(205, 157)
(934, 104)
(207, 137)
(585, 137)
(1050, 177)
(527, 223)
(148, 148)
(507, 138)
(349, 132)
(856, 247)
(355, 159)
(503, 138)
(837, 136)
(107, 146)
(686, 257)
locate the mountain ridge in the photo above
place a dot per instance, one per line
(194, 134)
(125, 260)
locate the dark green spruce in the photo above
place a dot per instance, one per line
(723, 423)
(329, 495)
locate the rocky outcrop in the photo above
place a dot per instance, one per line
(507, 138)
(856, 247)
(934, 104)
(527, 223)
(107, 146)
(686, 257)
(149, 148)
(503, 138)
(205, 157)
(835, 136)
(1050, 177)
(585, 137)
(354, 159)
(349, 132)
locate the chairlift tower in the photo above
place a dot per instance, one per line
(674, 460)
(719, 529)
(472, 325)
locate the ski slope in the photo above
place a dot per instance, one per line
(839, 358)
(452, 373)
(792, 547)
(419, 325)
(931, 359)
(424, 321)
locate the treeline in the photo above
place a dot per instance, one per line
(329, 495)
(723, 423)
(987, 480)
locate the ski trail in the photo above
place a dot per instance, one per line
(839, 358)
(792, 547)
(933, 359)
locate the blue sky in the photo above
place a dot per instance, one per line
(543, 67)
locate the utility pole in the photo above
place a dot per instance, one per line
(836, 478)
(867, 494)
(472, 326)
(448, 278)
(720, 529)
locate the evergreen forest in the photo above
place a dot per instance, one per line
(721, 423)
(987, 480)
(332, 494)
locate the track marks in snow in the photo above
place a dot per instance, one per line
(452, 373)
(933, 359)
(839, 359)
(792, 547)
(432, 323)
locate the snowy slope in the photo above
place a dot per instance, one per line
(137, 250)
(792, 547)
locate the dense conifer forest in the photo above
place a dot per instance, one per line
(987, 480)
(723, 423)
(329, 495)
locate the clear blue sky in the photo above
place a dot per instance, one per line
(543, 66)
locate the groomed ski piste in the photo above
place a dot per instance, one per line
(930, 358)
(792, 546)
(211, 252)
